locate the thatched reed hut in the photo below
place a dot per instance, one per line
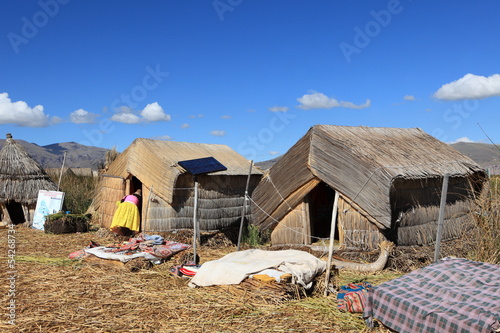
(21, 177)
(389, 182)
(168, 189)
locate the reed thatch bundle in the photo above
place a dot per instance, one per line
(21, 177)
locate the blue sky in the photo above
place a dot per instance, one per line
(254, 75)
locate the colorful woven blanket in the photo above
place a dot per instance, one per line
(352, 297)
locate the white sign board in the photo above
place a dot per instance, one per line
(48, 202)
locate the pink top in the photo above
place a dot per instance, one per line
(131, 198)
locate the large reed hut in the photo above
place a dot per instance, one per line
(389, 182)
(21, 177)
(168, 189)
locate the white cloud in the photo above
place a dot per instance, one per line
(218, 133)
(126, 118)
(462, 139)
(154, 112)
(196, 116)
(251, 110)
(316, 100)
(81, 116)
(185, 125)
(409, 98)
(226, 116)
(151, 113)
(278, 109)
(470, 87)
(20, 114)
(273, 153)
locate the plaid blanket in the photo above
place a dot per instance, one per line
(453, 295)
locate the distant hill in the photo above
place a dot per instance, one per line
(77, 156)
(266, 165)
(486, 155)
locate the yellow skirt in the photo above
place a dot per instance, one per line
(127, 215)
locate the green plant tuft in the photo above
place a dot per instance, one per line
(252, 236)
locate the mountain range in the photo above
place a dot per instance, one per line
(77, 155)
(486, 155)
(80, 156)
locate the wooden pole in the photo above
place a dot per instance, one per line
(442, 207)
(145, 219)
(195, 220)
(60, 174)
(332, 240)
(244, 208)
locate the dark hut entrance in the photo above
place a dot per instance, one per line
(320, 211)
(16, 213)
(136, 184)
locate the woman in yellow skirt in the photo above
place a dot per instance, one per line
(127, 220)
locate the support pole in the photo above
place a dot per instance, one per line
(442, 207)
(332, 239)
(244, 208)
(61, 173)
(146, 211)
(195, 220)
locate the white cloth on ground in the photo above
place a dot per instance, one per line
(235, 267)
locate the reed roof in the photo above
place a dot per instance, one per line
(155, 162)
(21, 177)
(361, 163)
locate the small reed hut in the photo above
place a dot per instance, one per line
(168, 189)
(389, 182)
(21, 177)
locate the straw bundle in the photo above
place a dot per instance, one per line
(21, 176)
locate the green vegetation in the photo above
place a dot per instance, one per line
(78, 191)
(61, 223)
(251, 236)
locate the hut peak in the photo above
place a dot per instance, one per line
(9, 136)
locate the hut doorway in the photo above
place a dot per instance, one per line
(321, 200)
(135, 185)
(16, 213)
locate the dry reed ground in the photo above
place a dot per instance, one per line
(56, 294)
